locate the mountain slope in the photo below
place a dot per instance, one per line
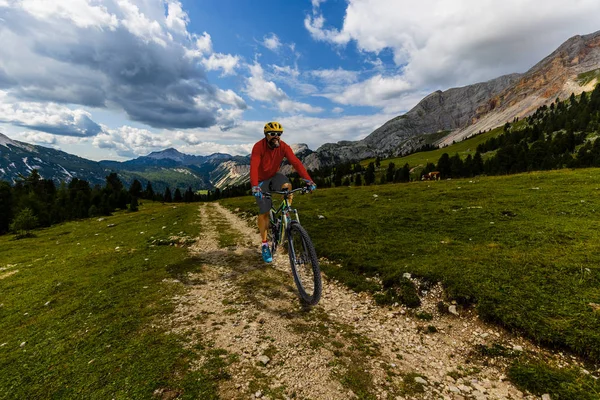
(465, 111)
(21, 158)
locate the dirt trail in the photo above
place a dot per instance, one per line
(346, 347)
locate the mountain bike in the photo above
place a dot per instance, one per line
(301, 251)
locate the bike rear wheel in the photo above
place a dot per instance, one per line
(304, 263)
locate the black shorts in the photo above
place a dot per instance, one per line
(273, 183)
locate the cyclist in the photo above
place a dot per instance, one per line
(266, 158)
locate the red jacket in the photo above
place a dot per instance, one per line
(265, 162)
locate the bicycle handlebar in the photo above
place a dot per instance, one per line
(287, 192)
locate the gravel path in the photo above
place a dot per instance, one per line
(346, 347)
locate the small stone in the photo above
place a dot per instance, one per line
(546, 396)
(3, 344)
(453, 389)
(46, 303)
(110, 225)
(321, 216)
(91, 361)
(465, 389)
(406, 275)
(258, 394)
(517, 348)
(452, 310)
(420, 380)
(22, 344)
(264, 359)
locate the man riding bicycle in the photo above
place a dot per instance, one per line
(266, 158)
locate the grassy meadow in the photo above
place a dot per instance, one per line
(463, 148)
(80, 306)
(524, 249)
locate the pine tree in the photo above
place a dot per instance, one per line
(133, 206)
(167, 196)
(358, 180)
(188, 197)
(370, 174)
(390, 172)
(6, 204)
(178, 198)
(149, 192)
(135, 190)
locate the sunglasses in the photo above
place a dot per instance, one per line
(273, 134)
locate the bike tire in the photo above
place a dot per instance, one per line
(305, 264)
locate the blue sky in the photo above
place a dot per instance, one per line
(116, 79)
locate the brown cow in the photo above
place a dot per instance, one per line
(431, 176)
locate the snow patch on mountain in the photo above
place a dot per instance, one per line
(67, 173)
(5, 141)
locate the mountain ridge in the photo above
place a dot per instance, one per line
(464, 111)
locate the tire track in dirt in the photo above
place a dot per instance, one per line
(346, 347)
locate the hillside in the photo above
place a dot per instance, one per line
(468, 110)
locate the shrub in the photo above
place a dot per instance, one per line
(24, 222)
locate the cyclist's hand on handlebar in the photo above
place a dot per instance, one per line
(310, 185)
(257, 192)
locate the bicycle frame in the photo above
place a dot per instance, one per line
(281, 216)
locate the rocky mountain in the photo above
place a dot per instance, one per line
(452, 115)
(19, 158)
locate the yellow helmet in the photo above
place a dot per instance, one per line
(273, 127)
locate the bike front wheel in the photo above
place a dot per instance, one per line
(304, 263)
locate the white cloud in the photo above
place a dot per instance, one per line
(130, 142)
(204, 44)
(258, 88)
(271, 42)
(208, 148)
(81, 12)
(45, 139)
(291, 77)
(177, 19)
(335, 76)
(225, 62)
(337, 110)
(140, 25)
(47, 117)
(379, 91)
(455, 43)
(132, 57)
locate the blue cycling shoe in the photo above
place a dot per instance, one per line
(266, 254)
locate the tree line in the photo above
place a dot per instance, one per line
(36, 202)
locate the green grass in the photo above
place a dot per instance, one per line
(88, 302)
(463, 148)
(563, 383)
(586, 77)
(525, 249)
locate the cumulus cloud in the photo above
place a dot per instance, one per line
(377, 91)
(271, 42)
(261, 89)
(441, 44)
(44, 139)
(225, 62)
(138, 58)
(337, 110)
(48, 117)
(130, 142)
